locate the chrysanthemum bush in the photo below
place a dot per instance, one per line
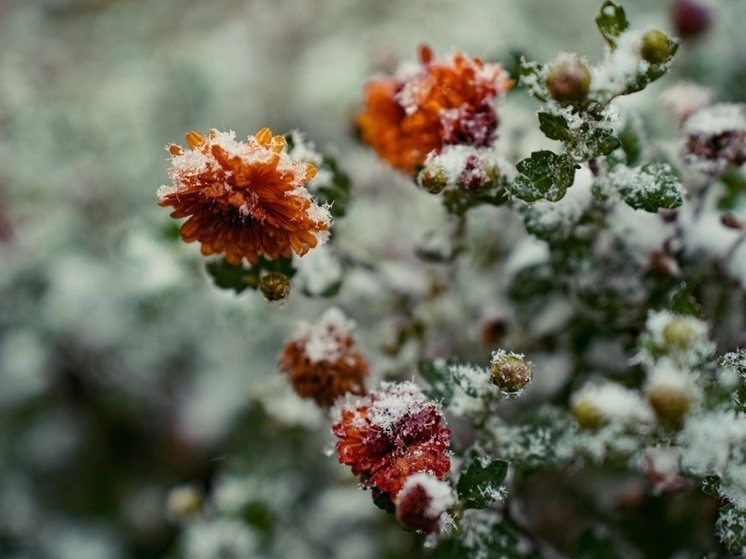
(591, 404)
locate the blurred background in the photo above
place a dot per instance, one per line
(123, 372)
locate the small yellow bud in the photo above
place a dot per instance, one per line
(587, 414)
(275, 286)
(678, 333)
(670, 404)
(657, 47)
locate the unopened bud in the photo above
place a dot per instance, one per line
(432, 178)
(690, 18)
(678, 333)
(422, 503)
(670, 403)
(275, 286)
(509, 371)
(569, 80)
(657, 47)
(587, 413)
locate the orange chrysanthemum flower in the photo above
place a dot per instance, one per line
(445, 103)
(322, 361)
(243, 200)
(391, 434)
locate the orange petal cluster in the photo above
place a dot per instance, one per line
(322, 361)
(243, 199)
(391, 434)
(445, 103)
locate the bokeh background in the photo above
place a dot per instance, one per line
(123, 371)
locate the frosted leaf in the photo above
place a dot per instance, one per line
(708, 441)
(473, 391)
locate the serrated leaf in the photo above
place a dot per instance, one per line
(480, 483)
(611, 21)
(602, 142)
(555, 127)
(230, 276)
(651, 188)
(337, 193)
(544, 175)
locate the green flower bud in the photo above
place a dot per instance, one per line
(569, 80)
(670, 404)
(678, 333)
(657, 47)
(587, 413)
(275, 286)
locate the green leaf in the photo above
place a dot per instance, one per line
(555, 127)
(731, 529)
(713, 486)
(735, 189)
(653, 187)
(337, 193)
(480, 483)
(383, 502)
(683, 303)
(229, 276)
(602, 142)
(611, 21)
(544, 175)
(437, 375)
(631, 143)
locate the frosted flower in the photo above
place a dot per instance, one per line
(322, 361)
(716, 138)
(473, 391)
(444, 102)
(422, 503)
(244, 200)
(661, 466)
(391, 434)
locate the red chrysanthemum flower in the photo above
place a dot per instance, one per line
(391, 434)
(322, 361)
(445, 103)
(243, 200)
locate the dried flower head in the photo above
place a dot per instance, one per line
(391, 434)
(322, 361)
(243, 199)
(446, 102)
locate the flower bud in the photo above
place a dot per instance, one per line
(679, 333)
(509, 371)
(422, 502)
(275, 286)
(432, 178)
(657, 47)
(690, 18)
(587, 413)
(670, 403)
(569, 80)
